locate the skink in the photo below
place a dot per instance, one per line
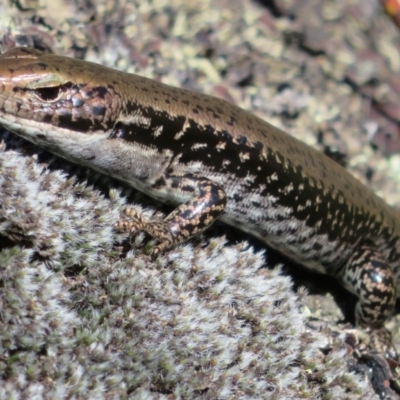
(210, 159)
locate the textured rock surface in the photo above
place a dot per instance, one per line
(77, 320)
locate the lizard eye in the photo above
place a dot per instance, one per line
(48, 93)
(51, 92)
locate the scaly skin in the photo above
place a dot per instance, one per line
(211, 160)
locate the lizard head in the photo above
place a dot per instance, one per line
(54, 92)
(70, 107)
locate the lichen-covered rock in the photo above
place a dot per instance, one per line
(82, 318)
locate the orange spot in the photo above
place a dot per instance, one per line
(391, 7)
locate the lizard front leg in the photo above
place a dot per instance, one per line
(207, 202)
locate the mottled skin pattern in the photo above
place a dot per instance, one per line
(210, 159)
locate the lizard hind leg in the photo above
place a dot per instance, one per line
(368, 275)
